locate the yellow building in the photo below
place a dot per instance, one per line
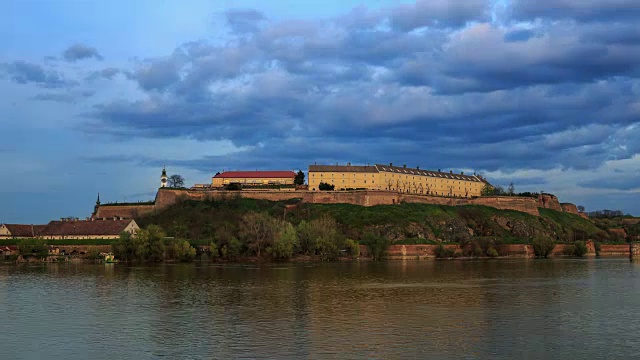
(253, 178)
(395, 178)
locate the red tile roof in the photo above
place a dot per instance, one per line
(85, 228)
(24, 230)
(256, 174)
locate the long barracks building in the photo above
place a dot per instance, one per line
(395, 178)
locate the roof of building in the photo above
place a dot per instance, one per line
(86, 227)
(256, 174)
(342, 168)
(420, 172)
(24, 230)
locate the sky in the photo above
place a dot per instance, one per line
(98, 96)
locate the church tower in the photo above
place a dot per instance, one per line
(163, 178)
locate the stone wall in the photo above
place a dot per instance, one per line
(569, 208)
(634, 250)
(124, 211)
(166, 197)
(614, 250)
(548, 201)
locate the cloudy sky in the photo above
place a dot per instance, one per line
(97, 96)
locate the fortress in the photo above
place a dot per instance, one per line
(402, 184)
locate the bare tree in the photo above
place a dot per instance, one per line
(176, 181)
(258, 230)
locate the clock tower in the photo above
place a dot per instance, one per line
(163, 178)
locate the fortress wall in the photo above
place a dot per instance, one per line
(570, 208)
(522, 204)
(167, 197)
(548, 201)
(125, 211)
(614, 250)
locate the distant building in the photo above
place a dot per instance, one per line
(20, 231)
(396, 178)
(253, 178)
(89, 229)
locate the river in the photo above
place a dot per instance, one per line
(498, 309)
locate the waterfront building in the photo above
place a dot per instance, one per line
(253, 178)
(396, 178)
(72, 228)
(20, 231)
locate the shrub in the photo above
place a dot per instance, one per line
(443, 252)
(352, 247)
(492, 253)
(233, 187)
(597, 246)
(180, 250)
(33, 247)
(377, 244)
(328, 247)
(326, 187)
(569, 250)
(542, 246)
(285, 244)
(580, 248)
(232, 249)
(214, 253)
(92, 254)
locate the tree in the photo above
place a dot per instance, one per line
(326, 187)
(581, 208)
(33, 247)
(258, 231)
(299, 179)
(285, 243)
(487, 190)
(176, 181)
(511, 189)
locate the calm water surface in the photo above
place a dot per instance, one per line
(525, 309)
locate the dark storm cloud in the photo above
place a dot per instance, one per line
(64, 97)
(23, 72)
(80, 52)
(438, 13)
(624, 182)
(581, 10)
(352, 89)
(244, 21)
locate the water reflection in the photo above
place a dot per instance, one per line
(470, 309)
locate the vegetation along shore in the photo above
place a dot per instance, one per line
(240, 229)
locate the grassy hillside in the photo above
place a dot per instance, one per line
(402, 223)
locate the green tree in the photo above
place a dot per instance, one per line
(325, 186)
(285, 243)
(214, 253)
(487, 190)
(580, 248)
(258, 231)
(299, 179)
(543, 246)
(306, 237)
(179, 249)
(352, 247)
(377, 244)
(147, 245)
(33, 247)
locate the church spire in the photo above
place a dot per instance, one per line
(163, 177)
(98, 201)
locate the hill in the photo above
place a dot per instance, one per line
(405, 223)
